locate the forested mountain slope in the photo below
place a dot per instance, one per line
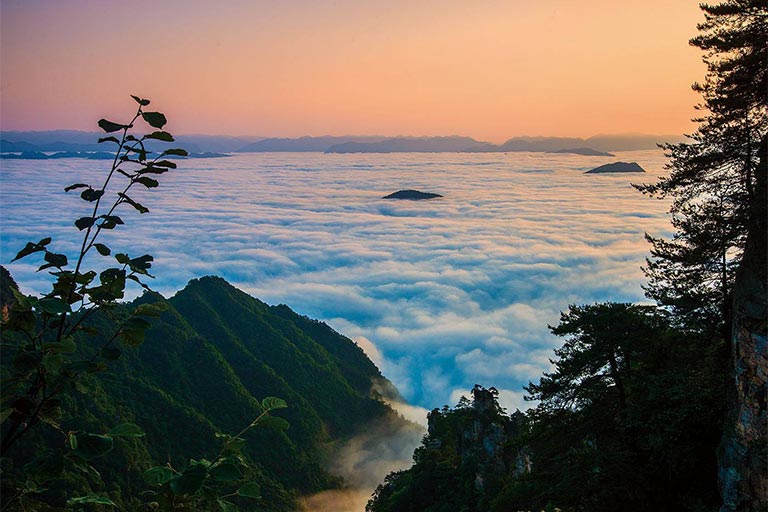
(201, 371)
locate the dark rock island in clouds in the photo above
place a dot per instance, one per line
(413, 195)
(616, 167)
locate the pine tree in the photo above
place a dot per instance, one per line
(713, 180)
(713, 272)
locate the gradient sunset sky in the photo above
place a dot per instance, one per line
(486, 69)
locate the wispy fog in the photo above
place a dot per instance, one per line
(442, 294)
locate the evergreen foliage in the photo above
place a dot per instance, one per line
(629, 420)
(462, 461)
(713, 181)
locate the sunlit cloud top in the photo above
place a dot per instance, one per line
(487, 69)
(442, 294)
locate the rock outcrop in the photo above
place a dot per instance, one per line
(617, 167)
(743, 457)
(413, 195)
(482, 439)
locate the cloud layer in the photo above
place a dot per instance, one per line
(442, 294)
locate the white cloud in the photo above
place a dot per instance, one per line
(441, 294)
(371, 350)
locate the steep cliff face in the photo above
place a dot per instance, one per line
(744, 451)
(481, 441)
(468, 452)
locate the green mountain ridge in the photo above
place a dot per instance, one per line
(201, 371)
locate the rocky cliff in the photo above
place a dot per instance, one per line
(743, 471)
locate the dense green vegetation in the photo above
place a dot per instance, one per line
(196, 376)
(640, 411)
(629, 419)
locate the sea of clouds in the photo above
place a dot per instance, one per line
(441, 294)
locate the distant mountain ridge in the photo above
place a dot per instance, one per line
(75, 141)
(412, 145)
(302, 144)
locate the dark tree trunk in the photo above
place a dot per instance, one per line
(743, 457)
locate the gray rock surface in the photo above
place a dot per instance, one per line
(617, 167)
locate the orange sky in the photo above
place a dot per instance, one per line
(487, 69)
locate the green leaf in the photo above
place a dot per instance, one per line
(75, 186)
(113, 218)
(147, 181)
(226, 506)
(235, 445)
(133, 339)
(137, 323)
(111, 354)
(163, 136)
(141, 264)
(50, 412)
(126, 430)
(122, 258)
(226, 473)
(190, 481)
(22, 302)
(109, 126)
(274, 422)
(4, 414)
(91, 446)
(31, 248)
(91, 195)
(139, 207)
(103, 249)
(249, 490)
(165, 163)
(151, 169)
(140, 101)
(95, 499)
(54, 260)
(86, 469)
(52, 362)
(66, 346)
(175, 152)
(85, 278)
(271, 403)
(28, 249)
(53, 305)
(154, 119)
(112, 286)
(158, 475)
(84, 222)
(109, 139)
